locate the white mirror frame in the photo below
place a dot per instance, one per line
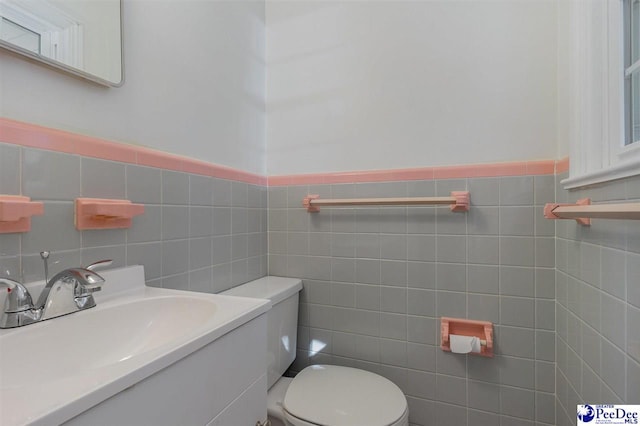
(75, 71)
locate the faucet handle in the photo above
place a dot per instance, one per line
(18, 297)
(86, 281)
(99, 264)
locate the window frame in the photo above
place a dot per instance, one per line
(597, 108)
(631, 70)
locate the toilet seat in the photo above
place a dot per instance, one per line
(329, 395)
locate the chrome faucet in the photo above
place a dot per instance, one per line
(67, 292)
(18, 306)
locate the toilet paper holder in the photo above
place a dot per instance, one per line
(466, 327)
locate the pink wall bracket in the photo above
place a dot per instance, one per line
(97, 213)
(16, 212)
(550, 207)
(306, 202)
(465, 327)
(462, 201)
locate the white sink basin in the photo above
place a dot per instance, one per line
(54, 370)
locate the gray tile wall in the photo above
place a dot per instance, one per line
(597, 305)
(197, 233)
(376, 281)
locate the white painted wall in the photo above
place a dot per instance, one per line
(194, 84)
(395, 84)
(564, 80)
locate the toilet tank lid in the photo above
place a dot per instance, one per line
(344, 396)
(273, 288)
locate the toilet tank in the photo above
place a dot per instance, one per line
(282, 319)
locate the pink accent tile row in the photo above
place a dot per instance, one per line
(562, 165)
(519, 168)
(34, 136)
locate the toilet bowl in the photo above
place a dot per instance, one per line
(320, 395)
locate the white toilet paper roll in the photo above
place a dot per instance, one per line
(464, 344)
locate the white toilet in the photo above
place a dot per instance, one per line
(325, 395)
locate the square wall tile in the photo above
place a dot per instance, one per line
(633, 339)
(9, 245)
(517, 311)
(144, 184)
(200, 253)
(222, 193)
(483, 279)
(451, 304)
(483, 221)
(517, 221)
(517, 251)
(421, 247)
(517, 372)
(10, 268)
(175, 222)
(393, 273)
(175, 187)
(483, 307)
(9, 169)
(452, 249)
(200, 190)
(516, 341)
(516, 191)
(421, 275)
(544, 189)
(517, 281)
(240, 194)
(484, 396)
(451, 389)
(451, 276)
(614, 373)
(52, 231)
(221, 221)
(200, 221)
(342, 220)
(48, 175)
(484, 191)
(103, 179)
(175, 257)
(420, 220)
(483, 250)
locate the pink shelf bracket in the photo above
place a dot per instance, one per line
(549, 209)
(98, 213)
(16, 212)
(465, 327)
(462, 201)
(306, 202)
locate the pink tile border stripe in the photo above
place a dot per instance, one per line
(518, 168)
(562, 165)
(34, 136)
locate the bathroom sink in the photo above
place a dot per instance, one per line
(54, 370)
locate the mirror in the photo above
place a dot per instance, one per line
(83, 37)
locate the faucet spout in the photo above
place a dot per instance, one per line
(69, 291)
